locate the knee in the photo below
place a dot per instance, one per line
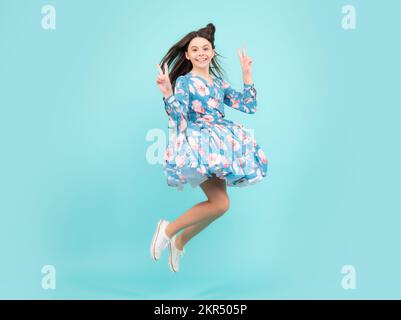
(221, 205)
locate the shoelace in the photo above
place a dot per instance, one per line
(165, 242)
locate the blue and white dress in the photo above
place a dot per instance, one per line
(202, 142)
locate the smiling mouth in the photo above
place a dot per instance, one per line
(201, 60)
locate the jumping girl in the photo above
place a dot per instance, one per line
(205, 149)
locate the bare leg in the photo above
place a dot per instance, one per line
(191, 232)
(201, 215)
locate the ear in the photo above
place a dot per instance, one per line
(186, 55)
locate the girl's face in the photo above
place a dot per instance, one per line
(200, 53)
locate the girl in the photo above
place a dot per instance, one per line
(205, 148)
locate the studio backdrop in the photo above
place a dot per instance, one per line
(83, 129)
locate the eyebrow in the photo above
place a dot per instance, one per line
(205, 45)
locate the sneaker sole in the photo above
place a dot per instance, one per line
(153, 244)
(170, 259)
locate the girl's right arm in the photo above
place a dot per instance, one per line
(176, 104)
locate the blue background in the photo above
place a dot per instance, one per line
(78, 191)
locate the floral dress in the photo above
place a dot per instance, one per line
(202, 142)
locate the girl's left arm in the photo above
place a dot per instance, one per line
(244, 101)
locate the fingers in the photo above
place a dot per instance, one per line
(160, 70)
(162, 74)
(242, 53)
(239, 53)
(165, 69)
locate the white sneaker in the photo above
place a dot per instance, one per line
(160, 240)
(174, 255)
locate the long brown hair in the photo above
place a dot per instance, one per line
(177, 62)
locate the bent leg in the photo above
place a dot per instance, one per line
(201, 215)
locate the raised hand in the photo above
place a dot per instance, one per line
(163, 81)
(246, 66)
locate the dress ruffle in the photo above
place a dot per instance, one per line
(224, 149)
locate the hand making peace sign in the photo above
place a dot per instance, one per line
(163, 81)
(246, 64)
